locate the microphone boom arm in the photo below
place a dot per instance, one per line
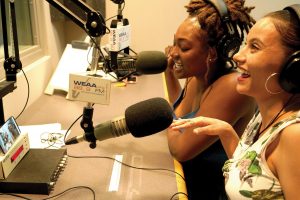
(94, 26)
(12, 64)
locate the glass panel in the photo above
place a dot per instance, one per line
(24, 26)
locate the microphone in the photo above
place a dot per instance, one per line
(118, 1)
(146, 62)
(151, 62)
(141, 119)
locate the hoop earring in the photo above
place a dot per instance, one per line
(266, 84)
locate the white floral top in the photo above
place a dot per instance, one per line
(247, 175)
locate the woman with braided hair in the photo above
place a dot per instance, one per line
(201, 54)
(264, 162)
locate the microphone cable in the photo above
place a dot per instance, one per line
(28, 94)
(140, 168)
(52, 138)
(54, 196)
(116, 15)
(76, 188)
(130, 166)
(72, 188)
(92, 191)
(179, 193)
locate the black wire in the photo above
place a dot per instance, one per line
(274, 118)
(101, 53)
(72, 188)
(141, 168)
(116, 15)
(71, 127)
(52, 139)
(133, 51)
(130, 166)
(15, 195)
(111, 17)
(28, 94)
(57, 195)
(178, 193)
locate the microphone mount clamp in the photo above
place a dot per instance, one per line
(94, 26)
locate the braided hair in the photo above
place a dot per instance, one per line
(210, 20)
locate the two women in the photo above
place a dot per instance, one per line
(198, 56)
(265, 162)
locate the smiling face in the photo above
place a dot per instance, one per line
(262, 56)
(190, 49)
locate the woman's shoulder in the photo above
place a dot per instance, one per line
(227, 85)
(223, 91)
(230, 78)
(291, 133)
(289, 140)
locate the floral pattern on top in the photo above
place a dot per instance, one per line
(247, 175)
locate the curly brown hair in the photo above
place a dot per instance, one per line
(210, 20)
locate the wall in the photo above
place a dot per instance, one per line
(39, 72)
(154, 22)
(265, 6)
(153, 26)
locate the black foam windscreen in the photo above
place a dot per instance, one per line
(148, 117)
(118, 1)
(151, 62)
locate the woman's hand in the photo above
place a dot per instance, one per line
(203, 125)
(213, 127)
(168, 51)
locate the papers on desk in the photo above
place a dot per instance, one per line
(49, 136)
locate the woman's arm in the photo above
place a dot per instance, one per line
(284, 161)
(221, 102)
(211, 127)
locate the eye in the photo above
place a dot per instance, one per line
(254, 46)
(184, 45)
(183, 49)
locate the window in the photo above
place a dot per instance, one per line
(29, 35)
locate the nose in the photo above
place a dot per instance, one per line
(174, 52)
(239, 57)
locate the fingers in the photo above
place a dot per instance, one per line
(207, 130)
(201, 125)
(168, 50)
(178, 124)
(185, 123)
(214, 127)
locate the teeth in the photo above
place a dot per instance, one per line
(243, 71)
(178, 66)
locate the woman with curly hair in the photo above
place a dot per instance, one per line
(264, 163)
(204, 44)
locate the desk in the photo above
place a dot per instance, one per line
(147, 152)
